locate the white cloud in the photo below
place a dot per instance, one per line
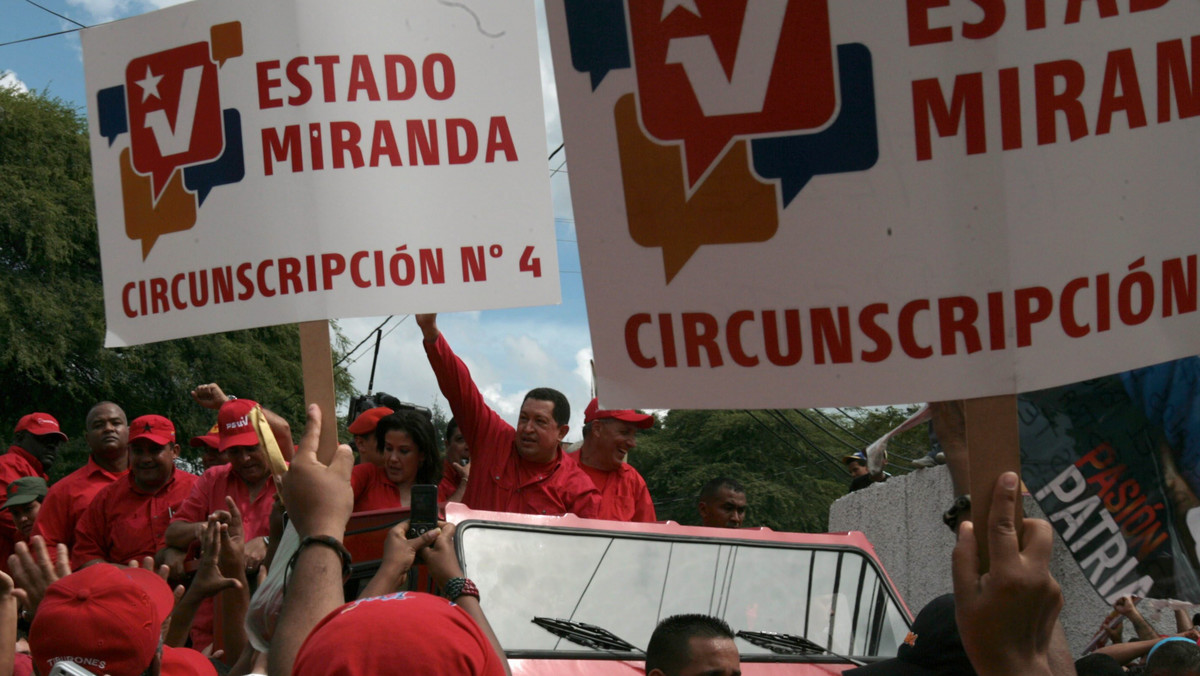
(9, 80)
(101, 11)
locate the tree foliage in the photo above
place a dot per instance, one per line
(52, 326)
(789, 461)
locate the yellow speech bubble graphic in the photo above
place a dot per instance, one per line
(731, 206)
(147, 220)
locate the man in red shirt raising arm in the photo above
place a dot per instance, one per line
(520, 470)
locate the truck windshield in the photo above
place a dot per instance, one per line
(627, 582)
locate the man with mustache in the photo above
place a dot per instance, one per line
(522, 469)
(107, 436)
(128, 519)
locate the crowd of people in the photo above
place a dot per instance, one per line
(130, 565)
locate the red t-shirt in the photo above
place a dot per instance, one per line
(207, 496)
(501, 480)
(123, 523)
(372, 488)
(623, 493)
(15, 464)
(67, 501)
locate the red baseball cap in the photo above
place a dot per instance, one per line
(593, 412)
(211, 440)
(185, 662)
(39, 424)
(359, 639)
(233, 423)
(153, 427)
(366, 421)
(104, 618)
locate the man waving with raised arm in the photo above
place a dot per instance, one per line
(522, 469)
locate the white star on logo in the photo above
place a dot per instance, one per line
(149, 85)
(670, 6)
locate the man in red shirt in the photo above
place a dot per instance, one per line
(363, 429)
(520, 470)
(128, 519)
(247, 479)
(107, 436)
(35, 445)
(210, 449)
(608, 436)
(457, 470)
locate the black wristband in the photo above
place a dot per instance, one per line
(325, 541)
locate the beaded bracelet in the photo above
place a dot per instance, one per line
(460, 586)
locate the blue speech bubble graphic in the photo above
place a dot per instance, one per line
(230, 167)
(110, 109)
(851, 143)
(596, 31)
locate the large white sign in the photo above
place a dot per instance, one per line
(276, 161)
(797, 203)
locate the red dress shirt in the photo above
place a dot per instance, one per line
(123, 523)
(67, 501)
(13, 465)
(208, 495)
(449, 483)
(501, 480)
(623, 493)
(372, 488)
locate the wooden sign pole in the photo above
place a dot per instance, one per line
(316, 360)
(993, 447)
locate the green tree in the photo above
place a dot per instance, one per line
(789, 461)
(52, 357)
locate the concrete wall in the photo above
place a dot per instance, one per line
(902, 518)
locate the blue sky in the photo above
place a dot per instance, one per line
(508, 351)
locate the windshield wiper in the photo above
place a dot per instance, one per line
(788, 644)
(587, 635)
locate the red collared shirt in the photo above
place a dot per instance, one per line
(208, 495)
(123, 523)
(372, 488)
(67, 501)
(15, 464)
(449, 483)
(501, 480)
(623, 493)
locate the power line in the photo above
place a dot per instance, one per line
(38, 37)
(64, 18)
(787, 443)
(361, 342)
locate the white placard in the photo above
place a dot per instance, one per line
(859, 202)
(269, 162)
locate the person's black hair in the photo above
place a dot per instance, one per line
(420, 428)
(1098, 664)
(1174, 658)
(562, 409)
(450, 428)
(669, 650)
(710, 489)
